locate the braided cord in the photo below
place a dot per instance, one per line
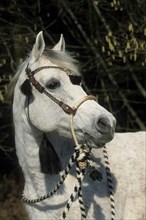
(69, 203)
(60, 182)
(80, 176)
(110, 183)
(77, 190)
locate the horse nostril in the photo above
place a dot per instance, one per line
(103, 125)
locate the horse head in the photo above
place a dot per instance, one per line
(51, 91)
(91, 122)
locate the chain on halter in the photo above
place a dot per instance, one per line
(80, 156)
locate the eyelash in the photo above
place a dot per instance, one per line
(53, 85)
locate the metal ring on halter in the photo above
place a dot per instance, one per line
(76, 106)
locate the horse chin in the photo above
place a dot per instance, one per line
(89, 140)
(92, 142)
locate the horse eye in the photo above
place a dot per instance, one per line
(53, 85)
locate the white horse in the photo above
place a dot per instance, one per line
(47, 92)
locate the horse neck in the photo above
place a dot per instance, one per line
(28, 141)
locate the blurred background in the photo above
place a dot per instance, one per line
(107, 37)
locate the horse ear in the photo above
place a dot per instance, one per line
(38, 47)
(60, 46)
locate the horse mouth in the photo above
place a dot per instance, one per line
(93, 142)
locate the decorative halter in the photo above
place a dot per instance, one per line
(66, 108)
(81, 153)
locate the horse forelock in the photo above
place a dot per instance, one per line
(62, 59)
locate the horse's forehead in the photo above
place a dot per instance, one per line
(43, 61)
(47, 74)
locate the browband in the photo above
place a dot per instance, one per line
(75, 79)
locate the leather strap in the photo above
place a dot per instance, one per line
(66, 108)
